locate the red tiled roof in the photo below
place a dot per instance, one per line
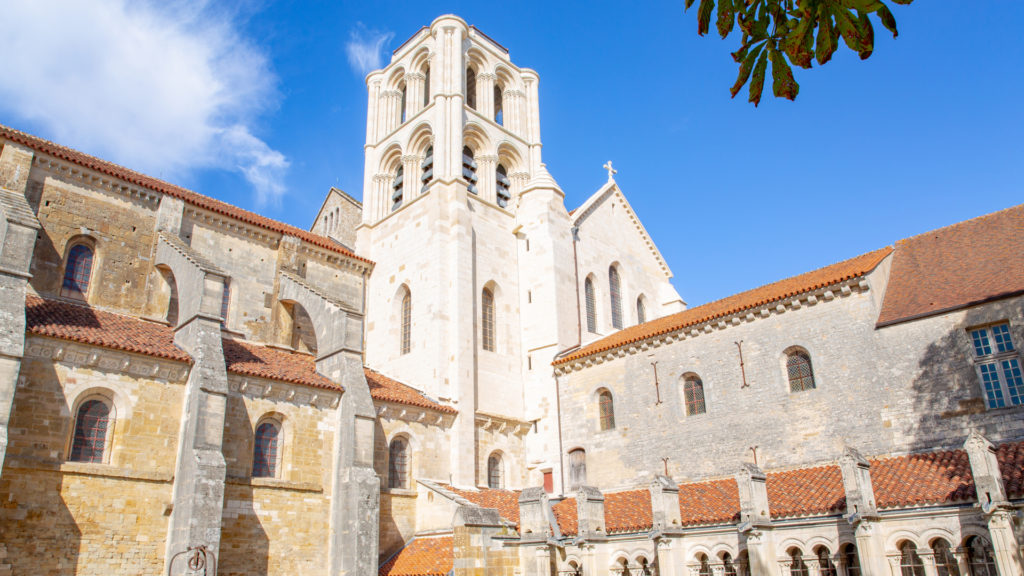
(506, 502)
(251, 359)
(627, 511)
(198, 200)
(387, 389)
(565, 515)
(81, 323)
(953, 267)
(806, 492)
(425, 556)
(710, 502)
(789, 287)
(916, 479)
(1011, 464)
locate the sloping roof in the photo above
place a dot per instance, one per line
(81, 323)
(193, 198)
(422, 556)
(250, 359)
(957, 266)
(387, 389)
(806, 492)
(919, 479)
(506, 502)
(628, 511)
(565, 515)
(709, 502)
(789, 287)
(1011, 465)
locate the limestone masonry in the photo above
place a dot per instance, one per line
(458, 375)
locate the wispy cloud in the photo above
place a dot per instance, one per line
(365, 47)
(162, 88)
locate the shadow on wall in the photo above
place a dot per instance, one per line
(244, 545)
(390, 539)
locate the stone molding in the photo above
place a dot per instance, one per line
(115, 361)
(503, 424)
(94, 179)
(275, 390)
(395, 411)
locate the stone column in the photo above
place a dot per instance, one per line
(871, 549)
(862, 513)
(755, 519)
(590, 513)
(18, 229)
(485, 94)
(411, 177)
(513, 105)
(381, 196)
(485, 173)
(414, 93)
(988, 483)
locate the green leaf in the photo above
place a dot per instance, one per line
(741, 54)
(688, 4)
(826, 44)
(867, 32)
(904, 2)
(757, 81)
(704, 16)
(847, 26)
(783, 83)
(799, 43)
(888, 21)
(745, 69)
(726, 17)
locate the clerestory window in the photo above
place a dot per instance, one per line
(92, 425)
(265, 450)
(799, 371)
(591, 302)
(77, 272)
(614, 290)
(469, 169)
(998, 365)
(693, 392)
(607, 409)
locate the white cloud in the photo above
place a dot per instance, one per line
(364, 48)
(164, 89)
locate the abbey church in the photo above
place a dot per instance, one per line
(461, 375)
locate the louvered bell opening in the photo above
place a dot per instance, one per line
(503, 180)
(503, 193)
(468, 174)
(397, 182)
(396, 196)
(427, 176)
(468, 162)
(428, 162)
(472, 187)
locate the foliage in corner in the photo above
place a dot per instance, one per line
(791, 31)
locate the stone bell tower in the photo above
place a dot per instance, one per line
(452, 145)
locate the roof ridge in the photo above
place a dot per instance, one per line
(958, 224)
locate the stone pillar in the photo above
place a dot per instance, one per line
(755, 519)
(988, 483)
(665, 503)
(871, 548)
(411, 177)
(18, 229)
(534, 510)
(532, 123)
(414, 93)
(373, 84)
(514, 108)
(670, 557)
(862, 513)
(487, 164)
(590, 513)
(485, 94)
(477, 544)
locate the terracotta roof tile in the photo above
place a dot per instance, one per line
(789, 287)
(81, 323)
(953, 267)
(565, 515)
(1011, 464)
(628, 511)
(710, 502)
(506, 502)
(423, 556)
(806, 492)
(916, 479)
(251, 359)
(386, 389)
(198, 200)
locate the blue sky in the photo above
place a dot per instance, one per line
(262, 104)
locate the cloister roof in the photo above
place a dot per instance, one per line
(422, 556)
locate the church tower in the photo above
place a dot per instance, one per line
(453, 157)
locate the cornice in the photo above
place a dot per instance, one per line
(389, 410)
(277, 391)
(71, 171)
(502, 424)
(78, 355)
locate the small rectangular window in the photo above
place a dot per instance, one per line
(998, 365)
(529, 362)
(529, 296)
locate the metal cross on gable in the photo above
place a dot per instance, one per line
(611, 171)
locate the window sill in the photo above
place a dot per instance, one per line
(274, 483)
(404, 492)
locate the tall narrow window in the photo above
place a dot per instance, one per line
(641, 311)
(91, 425)
(588, 290)
(426, 85)
(910, 561)
(502, 184)
(396, 189)
(577, 468)
(999, 366)
(607, 410)
(495, 478)
(406, 322)
(77, 272)
(728, 567)
(499, 117)
(405, 95)
(693, 392)
(851, 561)
(825, 565)
(797, 567)
(945, 562)
(264, 453)
(704, 567)
(469, 169)
(225, 303)
(487, 319)
(798, 369)
(428, 170)
(979, 557)
(616, 296)
(471, 88)
(398, 464)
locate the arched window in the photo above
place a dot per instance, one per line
(798, 369)
(406, 330)
(850, 560)
(426, 85)
(499, 117)
(574, 569)
(404, 96)
(77, 272)
(910, 562)
(979, 557)
(616, 296)
(398, 463)
(469, 169)
(396, 190)
(945, 562)
(607, 410)
(705, 567)
(797, 567)
(487, 319)
(92, 425)
(744, 564)
(495, 476)
(645, 567)
(428, 169)
(728, 568)
(502, 184)
(225, 303)
(265, 450)
(588, 290)
(693, 393)
(471, 88)
(641, 311)
(577, 468)
(826, 567)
